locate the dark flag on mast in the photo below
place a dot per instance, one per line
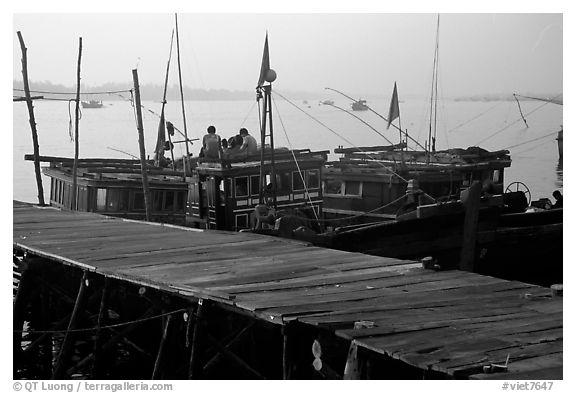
(265, 63)
(394, 111)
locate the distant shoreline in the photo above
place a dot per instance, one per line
(151, 92)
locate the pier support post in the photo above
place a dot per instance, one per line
(286, 361)
(59, 369)
(194, 369)
(102, 317)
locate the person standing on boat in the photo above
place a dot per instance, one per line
(558, 196)
(249, 144)
(212, 144)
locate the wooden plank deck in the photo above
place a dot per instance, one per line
(452, 322)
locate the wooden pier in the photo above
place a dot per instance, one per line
(275, 308)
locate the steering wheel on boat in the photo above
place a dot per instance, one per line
(518, 186)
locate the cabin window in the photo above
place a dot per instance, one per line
(241, 186)
(297, 183)
(101, 199)
(116, 200)
(283, 183)
(332, 186)
(353, 188)
(169, 201)
(313, 179)
(180, 197)
(229, 190)
(496, 176)
(156, 200)
(139, 201)
(241, 221)
(255, 185)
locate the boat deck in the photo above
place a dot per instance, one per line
(452, 322)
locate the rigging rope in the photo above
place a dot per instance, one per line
(341, 137)
(475, 117)
(510, 125)
(532, 140)
(103, 327)
(296, 162)
(83, 93)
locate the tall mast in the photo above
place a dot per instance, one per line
(185, 161)
(434, 95)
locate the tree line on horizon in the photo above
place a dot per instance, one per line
(154, 92)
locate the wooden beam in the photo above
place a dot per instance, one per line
(59, 371)
(158, 361)
(235, 337)
(110, 343)
(20, 99)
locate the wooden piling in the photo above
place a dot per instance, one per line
(471, 201)
(32, 121)
(102, 317)
(285, 353)
(193, 368)
(140, 126)
(74, 205)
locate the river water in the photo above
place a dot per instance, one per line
(111, 131)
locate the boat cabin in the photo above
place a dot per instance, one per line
(371, 183)
(223, 194)
(114, 188)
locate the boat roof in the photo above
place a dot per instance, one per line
(106, 172)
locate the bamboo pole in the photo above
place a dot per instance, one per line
(74, 204)
(32, 120)
(141, 144)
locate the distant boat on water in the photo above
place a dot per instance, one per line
(92, 104)
(359, 105)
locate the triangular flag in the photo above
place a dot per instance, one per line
(265, 63)
(160, 141)
(394, 111)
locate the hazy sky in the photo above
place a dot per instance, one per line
(355, 53)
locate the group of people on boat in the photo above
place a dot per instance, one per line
(241, 145)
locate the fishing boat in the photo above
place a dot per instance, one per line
(359, 105)
(113, 187)
(370, 184)
(233, 194)
(92, 104)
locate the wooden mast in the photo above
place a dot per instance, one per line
(32, 120)
(185, 161)
(162, 124)
(265, 92)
